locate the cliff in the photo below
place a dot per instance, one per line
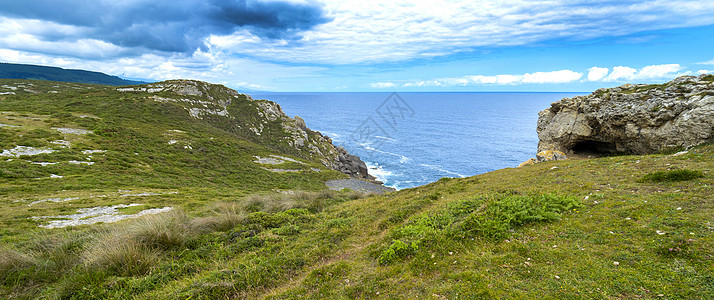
(261, 121)
(637, 119)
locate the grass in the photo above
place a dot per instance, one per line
(672, 175)
(591, 228)
(507, 233)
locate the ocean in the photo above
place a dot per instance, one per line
(411, 139)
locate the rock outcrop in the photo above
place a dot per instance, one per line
(261, 121)
(637, 119)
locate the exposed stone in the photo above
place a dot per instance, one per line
(72, 130)
(358, 185)
(207, 101)
(550, 155)
(528, 162)
(638, 119)
(23, 150)
(300, 123)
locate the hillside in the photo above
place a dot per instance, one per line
(23, 71)
(222, 222)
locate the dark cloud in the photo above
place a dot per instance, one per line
(175, 26)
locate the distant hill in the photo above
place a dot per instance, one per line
(22, 71)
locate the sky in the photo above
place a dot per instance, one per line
(363, 45)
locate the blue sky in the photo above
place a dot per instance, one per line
(509, 45)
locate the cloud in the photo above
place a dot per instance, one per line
(160, 25)
(705, 72)
(659, 71)
(552, 77)
(620, 73)
(653, 72)
(596, 73)
(401, 30)
(709, 62)
(382, 85)
(200, 66)
(562, 76)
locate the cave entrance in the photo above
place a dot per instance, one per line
(593, 147)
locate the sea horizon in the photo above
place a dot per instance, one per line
(435, 135)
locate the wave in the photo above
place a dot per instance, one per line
(378, 172)
(330, 134)
(402, 158)
(384, 138)
(440, 169)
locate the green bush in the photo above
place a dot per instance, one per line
(398, 250)
(673, 175)
(40, 133)
(506, 213)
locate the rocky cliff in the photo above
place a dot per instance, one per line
(636, 119)
(261, 121)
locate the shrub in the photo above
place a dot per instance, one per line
(505, 213)
(673, 175)
(398, 250)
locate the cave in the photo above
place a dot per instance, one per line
(593, 147)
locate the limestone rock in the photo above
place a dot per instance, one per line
(300, 123)
(550, 155)
(264, 121)
(529, 162)
(638, 119)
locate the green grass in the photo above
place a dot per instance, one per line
(672, 175)
(589, 229)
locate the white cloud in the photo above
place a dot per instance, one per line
(709, 62)
(618, 74)
(597, 73)
(552, 77)
(562, 76)
(382, 85)
(212, 67)
(653, 72)
(659, 71)
(705, 72)
(621, 73)
(398, 30)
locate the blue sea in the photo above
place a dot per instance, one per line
(411, 139)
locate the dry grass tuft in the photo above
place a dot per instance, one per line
(12, 261)
(223, 216)
(126, 257)
(162, 231)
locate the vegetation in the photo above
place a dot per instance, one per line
(22, 71)
(672, 175)
(605, 228)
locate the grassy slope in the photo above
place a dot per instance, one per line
(134, 131)
(336, 245)
(23, 71)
